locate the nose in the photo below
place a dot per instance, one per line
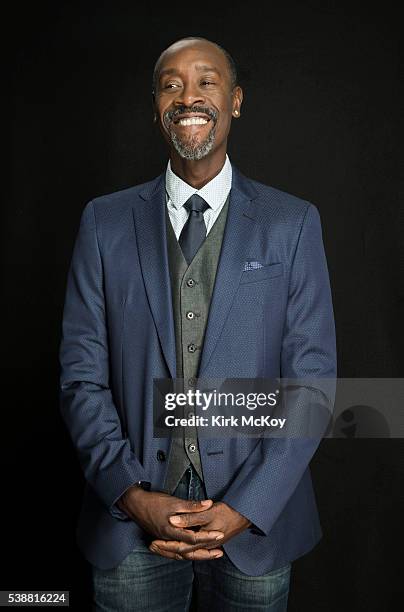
(189, 95)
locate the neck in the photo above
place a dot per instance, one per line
(197, 173)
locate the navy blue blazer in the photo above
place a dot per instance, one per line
(118, 334)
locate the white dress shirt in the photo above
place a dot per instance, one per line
(214, 193)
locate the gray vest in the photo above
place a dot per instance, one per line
(191, 288)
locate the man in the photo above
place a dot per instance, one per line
(200, 272)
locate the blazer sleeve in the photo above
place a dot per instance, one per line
(86, 402)
(271, 473)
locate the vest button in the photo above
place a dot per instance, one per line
(191, 348)
(191, 414)
(190, 282)
(192, 448)
(161, 456)
(190, 315)
(191, 381)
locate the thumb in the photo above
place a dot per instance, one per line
(192, 506)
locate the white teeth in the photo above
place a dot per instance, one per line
(193, 121)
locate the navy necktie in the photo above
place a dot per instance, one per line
(194, 231)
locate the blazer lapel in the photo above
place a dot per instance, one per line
(149, 217)
(238, 239)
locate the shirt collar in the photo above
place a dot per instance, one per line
(214, 193)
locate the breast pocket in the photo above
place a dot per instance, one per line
(270, 270)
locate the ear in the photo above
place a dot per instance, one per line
(237, 100)
(154, 107)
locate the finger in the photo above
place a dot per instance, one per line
(183, 505)
(201, 554)
(191, 520)
(181, 547)
(193, 537)
(165, 553)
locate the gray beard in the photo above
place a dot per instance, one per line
(190, 149)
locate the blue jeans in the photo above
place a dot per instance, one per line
(147, 582)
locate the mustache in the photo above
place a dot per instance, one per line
(170, 115)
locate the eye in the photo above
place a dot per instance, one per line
(171, 85)
(207, 83)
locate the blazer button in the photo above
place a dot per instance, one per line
(161, 456)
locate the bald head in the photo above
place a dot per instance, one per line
(195, 41)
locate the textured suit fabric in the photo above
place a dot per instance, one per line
(118, 334)
(193, 299)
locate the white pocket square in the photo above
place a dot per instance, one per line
(252, 265)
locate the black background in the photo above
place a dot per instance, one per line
(319, 120)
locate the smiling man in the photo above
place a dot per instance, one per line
(200, 272)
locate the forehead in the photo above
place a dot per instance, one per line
(197, 55)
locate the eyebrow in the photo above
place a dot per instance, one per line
(199, 67)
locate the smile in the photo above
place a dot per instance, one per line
(192, 121)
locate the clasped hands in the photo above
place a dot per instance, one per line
(183, 529)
